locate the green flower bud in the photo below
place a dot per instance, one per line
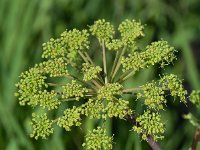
(118, 108)
(70, 118)
(153, 95)
(195, 97)
(93, 108)
(159, 52)
(102, 30)
(109, 90)
(174, 84)
(135, 61)
(98, 139)
(130, 30)
(53, 48)
(73, 90)
(90, 72)
(150, 124)
(42, 126)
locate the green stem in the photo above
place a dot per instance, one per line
(125, 76)
(114, 65)
(104, 62)
(118, 64)
(132, 90)
(83, 57)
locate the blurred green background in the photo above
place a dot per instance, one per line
(26, 24)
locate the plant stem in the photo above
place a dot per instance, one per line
(132, 90)
(125, 76)
(196, 139)
(104, 62)
(118, 64)
(87, 59)
(154, 145)
(83, 57)
(114, 65)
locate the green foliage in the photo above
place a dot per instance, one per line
(100, 95)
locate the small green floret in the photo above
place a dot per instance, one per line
(150, 124)
(174, 84)
(93, 108)
(153, 95)
(103, 30)
(118, 108)
(42, 126)
(109, 91)
(90, 72)
(195, 97)
(70, 118)
(130, 30)
(73, 90)
(98, 139)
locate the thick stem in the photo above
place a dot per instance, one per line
(154, 145)
(104, 62)
(196, 139)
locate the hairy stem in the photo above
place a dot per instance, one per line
(104, 62)
(152, 143)
(196, 139)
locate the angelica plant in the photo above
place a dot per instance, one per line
(99, 92)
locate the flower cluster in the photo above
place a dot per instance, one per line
(90, 72)
(109, 91)
(98, 139)
(153, 95)
(130, 30)
(159, 51)
(55, 68)
(135, 62)
(103, 30)
(70, 118)
(42, 126)
(30, 83)
(101, 93)
(118, 108)
(174, 84)
(73, 90)
(150, 124)
(45, 99)
(93, 108)
(53, 48)
(195, 97)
